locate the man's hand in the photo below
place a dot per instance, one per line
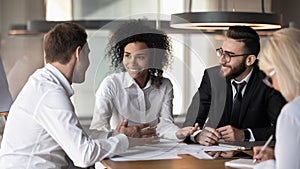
(186, 131)
(137, 131)
(230, 133)
(208, 136)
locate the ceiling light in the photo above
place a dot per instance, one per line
(222, 20)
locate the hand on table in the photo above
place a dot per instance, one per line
(140, 134)
(187, 131)
(138, 131)
(230, 133)
(208, 136)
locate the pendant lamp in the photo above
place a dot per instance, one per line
(216, 20)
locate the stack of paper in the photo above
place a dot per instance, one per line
(241, 163)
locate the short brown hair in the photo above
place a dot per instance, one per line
(61, 41)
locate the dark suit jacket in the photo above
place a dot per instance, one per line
(260, 107)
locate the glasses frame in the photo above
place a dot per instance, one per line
(220, 52)
(268, 79)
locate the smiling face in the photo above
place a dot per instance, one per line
(136, 60)
(236, 68)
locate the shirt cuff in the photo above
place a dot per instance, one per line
(192, 137)
(123, 139)
(251, 135)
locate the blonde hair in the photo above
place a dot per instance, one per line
(281, 52)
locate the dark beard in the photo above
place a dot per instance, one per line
(235, 72)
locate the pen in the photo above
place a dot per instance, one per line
(204, 125)
(265, 146)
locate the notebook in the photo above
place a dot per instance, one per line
(241, 163)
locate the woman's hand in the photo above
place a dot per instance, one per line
(137, 131)
(187, 131)
(260, 156)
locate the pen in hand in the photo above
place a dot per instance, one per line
(264, 147)
(204, 125)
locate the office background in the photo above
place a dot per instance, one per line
(193, 51)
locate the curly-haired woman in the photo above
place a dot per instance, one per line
(137, 92)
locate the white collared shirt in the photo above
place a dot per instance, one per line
(287, 139)
(246, 79)
(119, 97)
(42, 128)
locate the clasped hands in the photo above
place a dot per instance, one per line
(210, 136)
(139, 134)
(142, 133)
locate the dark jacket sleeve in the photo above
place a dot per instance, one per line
(199, 107)
(205, 99)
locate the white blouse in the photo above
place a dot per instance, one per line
(42, 128)
(119, 97)
(287, 145)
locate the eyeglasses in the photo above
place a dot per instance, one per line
(268, 79)
(227, 55)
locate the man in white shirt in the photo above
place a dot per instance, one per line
(42, 129)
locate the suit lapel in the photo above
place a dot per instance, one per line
(250, 89)
(218, 100)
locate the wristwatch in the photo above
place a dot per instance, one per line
(246, 135)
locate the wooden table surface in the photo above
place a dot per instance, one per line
(187, 162)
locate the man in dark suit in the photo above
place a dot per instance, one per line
(233, 103)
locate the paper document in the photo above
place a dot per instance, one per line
(241, 163)
(169, 149)
(99, 165)
(162, 150)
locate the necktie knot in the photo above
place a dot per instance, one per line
(239, 86)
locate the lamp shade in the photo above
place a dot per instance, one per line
(222, 20)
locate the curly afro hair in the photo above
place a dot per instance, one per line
(139, 31)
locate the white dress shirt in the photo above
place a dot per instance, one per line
(119, 97)
(287, 145)
(42, 128)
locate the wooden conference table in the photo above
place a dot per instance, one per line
(187, 162)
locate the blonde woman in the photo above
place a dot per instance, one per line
(280, 58)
